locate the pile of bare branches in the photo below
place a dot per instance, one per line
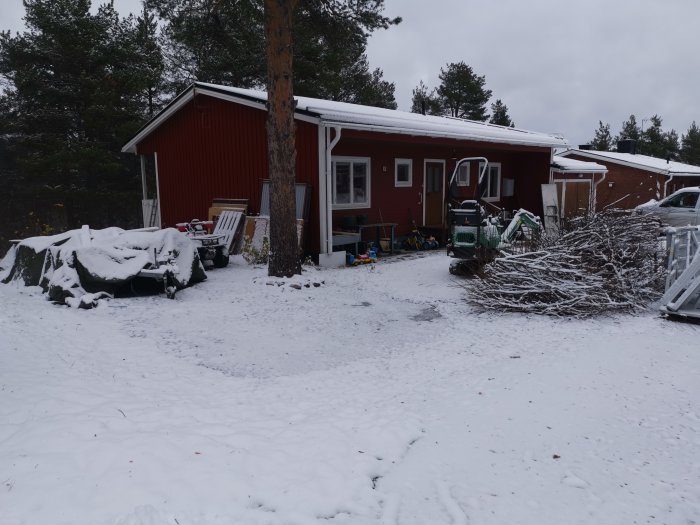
(611, 261)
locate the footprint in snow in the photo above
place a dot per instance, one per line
(574, 481)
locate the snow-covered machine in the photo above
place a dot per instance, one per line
(475, 236)
(210, 246)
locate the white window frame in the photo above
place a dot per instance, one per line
(490, 165)
(468, 167)
(397, 182)
(353, 205)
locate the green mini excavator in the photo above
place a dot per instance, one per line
(476, 237)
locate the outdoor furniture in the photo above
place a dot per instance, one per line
(230, 225)
(341, 238)
(379, 228)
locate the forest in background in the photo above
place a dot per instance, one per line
(78, 82)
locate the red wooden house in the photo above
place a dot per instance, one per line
(577, 184)
(632, 179)
(379, 164)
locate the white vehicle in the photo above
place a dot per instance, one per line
(681, 208)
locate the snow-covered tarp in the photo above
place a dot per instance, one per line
(80, 266)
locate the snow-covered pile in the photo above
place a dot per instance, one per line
(81, 266)
(607, 262)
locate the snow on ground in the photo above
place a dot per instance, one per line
(379, 397)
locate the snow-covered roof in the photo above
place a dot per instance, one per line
(356, 116)
(565, 164)
(643, 162)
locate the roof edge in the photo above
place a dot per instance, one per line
(155, 122)
(187, 95)
(422, 133)
(312, 116)
(592, 155)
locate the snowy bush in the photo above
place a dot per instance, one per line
(605, 262)
(256, 255)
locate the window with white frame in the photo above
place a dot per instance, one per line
(492, 181)
(351, 182)
(463, 175)
(403, 172)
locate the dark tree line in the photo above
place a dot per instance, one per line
(223, 42)
(76, 85)
(651, 139)
(461, 94)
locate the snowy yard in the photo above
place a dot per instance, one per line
(378, 397)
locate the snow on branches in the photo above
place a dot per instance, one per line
(610, 261)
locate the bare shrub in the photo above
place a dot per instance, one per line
(610, 261)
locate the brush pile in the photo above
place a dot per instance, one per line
(611, 261)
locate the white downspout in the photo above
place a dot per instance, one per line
(595, 190)
(670, 178)
(329, 186)
(322, 208)
(159, 217)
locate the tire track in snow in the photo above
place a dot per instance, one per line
(456, 513)
(391, 506)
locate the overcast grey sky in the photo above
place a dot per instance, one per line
(559, 65)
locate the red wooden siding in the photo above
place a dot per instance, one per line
(213, 148)
(626, 187)
(529, 167)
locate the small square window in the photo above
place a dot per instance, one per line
(403, 172)
(463, 175)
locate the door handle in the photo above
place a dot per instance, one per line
(420, 198)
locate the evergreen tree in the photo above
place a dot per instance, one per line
(222, 42)
(672, 145)
(690, 145)
(603, 140)
(281, 154)
(279, 18)
(655, 142)
(213, 41)
(330, 61)
(365, 87)
(148, 50)
(630, 130)
(424, 101)
(74, 96)
(499, 114)
(462, 93)
(652, 139)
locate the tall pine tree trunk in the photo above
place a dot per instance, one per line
(284, 247)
